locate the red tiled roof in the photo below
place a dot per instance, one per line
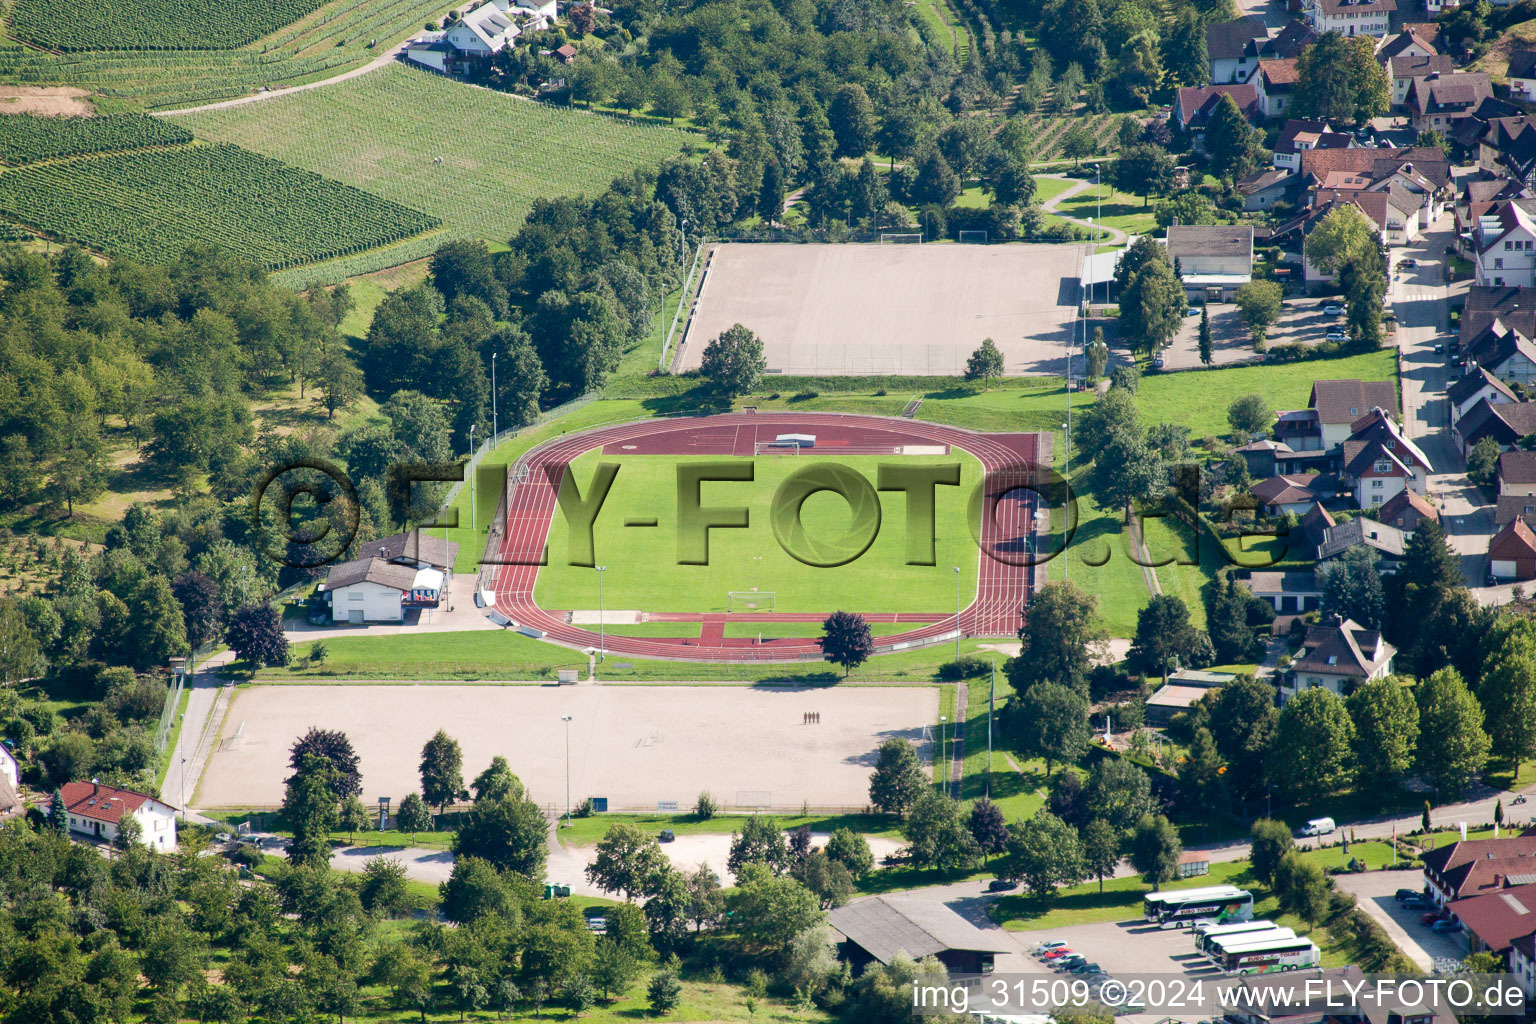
(1498, 917)
(1279, 72)
(101, 803)
(1515, 540)
(1403, 500)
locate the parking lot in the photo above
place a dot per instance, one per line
(1374, 892)
(1301, 320)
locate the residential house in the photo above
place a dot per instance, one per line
(1504, 244)
(1299, 430)
(1501, 308)
(1492, 921)
(1517, 472)
(1339, 658)
(1224, 45)
(1324, 994)
(1457, 870)
(1260, 456)
(1289, 593)
(1506, 423)
(11, 804)
(1522, 75)
(565, 54)
(1413, 41)
(1194, 105)
(1465, 132)
(1436, 101)
(1522, 963)
(1299, 136)
(1407, 68)
(1503, 351)
(1507, 147)
(1281, 494)
(1350, 17)
(1263, 189)
(1275, 81)
(1286, 44)
(1512, 551)
(1477, 385)
(1515, 506)
(1379, 461)
(481, 32)
(1339, 405)
(1315, 525)
(1406, 510)
(1215, 260)
(1389, 542)
(391, 577)
(96, 811)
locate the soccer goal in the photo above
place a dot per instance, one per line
(754, 799)
(775, 448)
(750, 600)
(887, 238)
(976, 237)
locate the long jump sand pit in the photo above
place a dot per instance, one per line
(635, 745)
(890, 309)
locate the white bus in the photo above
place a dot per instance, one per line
(1266, 957)
(1177, 908)
(1217, 947)
(1204, 933)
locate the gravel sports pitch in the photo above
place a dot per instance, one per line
(635, 745)
(890, 309)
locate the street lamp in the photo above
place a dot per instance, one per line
(183, 787)
(472, 477)
(942, 761)
(602, 638)
(495, 425)
(1066, 473)
(957, 613)
(567, 720)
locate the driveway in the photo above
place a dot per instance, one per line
(1374, 893)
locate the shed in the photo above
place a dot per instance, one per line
(883, 926)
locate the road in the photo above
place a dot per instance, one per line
(1420, 297)
(198, 731)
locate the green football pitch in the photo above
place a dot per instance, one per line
(643, 573)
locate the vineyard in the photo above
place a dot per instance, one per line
(387, 131)
(28, 138)
(328, 41)
(151, 204)
(151, 24)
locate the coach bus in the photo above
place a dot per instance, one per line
(1217, 947)
(1177, 908)
(1205, 933)
(1266, 957)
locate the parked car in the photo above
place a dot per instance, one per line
(1001, 885)
(1408, 894)
(1157, 363)
(1448, 925)
(1417, 903)
(1057, 954)
(1333, 310)
(1087, 969)
(1193, 311)
(1047, 946)
(1439, 348)
(667, 835)
(1408, 261)
(1430, 918)
(1066, 963)
(1336, 335)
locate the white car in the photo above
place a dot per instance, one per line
(1336, 335)
(1318, 827)
(1333, 310)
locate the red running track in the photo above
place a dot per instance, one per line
(1005, 578)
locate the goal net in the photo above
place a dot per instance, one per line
(775, 448)
(754, 799)
(750, 600)
(978, 237)
(899, 239)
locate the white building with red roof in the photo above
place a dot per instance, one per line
(95, 810)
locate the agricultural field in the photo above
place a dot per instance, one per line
(150, 204)
(1050, 129)
(150, 24)
(387, 131)
(335, 37)
(29, 138)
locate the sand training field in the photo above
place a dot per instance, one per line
(635, 745)
(890, 309)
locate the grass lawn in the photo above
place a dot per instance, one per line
(368, 290)
(643, 565)
(1047, 189)
(1195, 560)
(1199, 399)
(1119, 210)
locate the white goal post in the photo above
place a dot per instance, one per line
(750, 600)
(775, 448)
(888, 238)
(974, 236)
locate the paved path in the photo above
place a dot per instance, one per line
(199, 727)
(387, 57)
(1116, 236)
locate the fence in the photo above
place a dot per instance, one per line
(168, 712)
(682, 299)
